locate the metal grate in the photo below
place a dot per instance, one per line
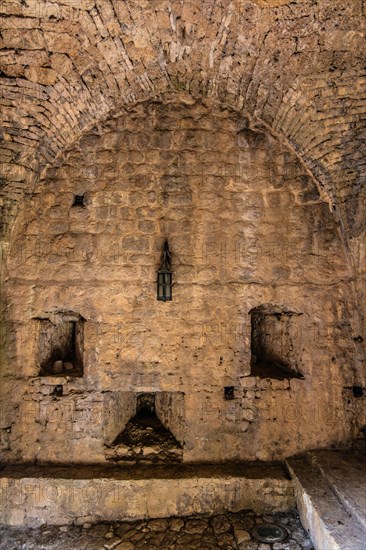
(269, 532)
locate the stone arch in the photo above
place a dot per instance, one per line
(88, 57)
(67, 67)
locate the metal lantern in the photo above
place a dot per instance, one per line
(165, 276)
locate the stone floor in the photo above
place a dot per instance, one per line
(228, 532)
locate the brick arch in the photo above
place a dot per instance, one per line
(73, 64)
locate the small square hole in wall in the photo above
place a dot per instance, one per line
(79, 200)
(58, 391)
(357, 391)
(229, 392)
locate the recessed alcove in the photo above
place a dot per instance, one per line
(273, 349)
(60, 345)
(144, 437)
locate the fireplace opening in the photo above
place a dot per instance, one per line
(145, 438)
(273, 343)
(61, 345)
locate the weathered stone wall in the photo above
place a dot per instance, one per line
(246, 227)
(358, 256)
(297, 67)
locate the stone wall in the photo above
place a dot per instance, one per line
(297, 67)
(246, 227)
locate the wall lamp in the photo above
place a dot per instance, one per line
(165, 276)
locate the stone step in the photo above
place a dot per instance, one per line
(345, 473)
(329, 523)
(61, 495)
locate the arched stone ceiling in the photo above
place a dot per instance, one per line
(297, 67)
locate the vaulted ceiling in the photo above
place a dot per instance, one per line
(294, 67)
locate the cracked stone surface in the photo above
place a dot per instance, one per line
(226, 532)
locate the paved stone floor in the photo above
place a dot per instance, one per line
(228, 532)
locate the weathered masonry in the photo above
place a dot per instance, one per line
(183, 255)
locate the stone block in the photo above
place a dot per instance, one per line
(125, 497)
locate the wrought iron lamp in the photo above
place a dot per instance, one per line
(165, 276)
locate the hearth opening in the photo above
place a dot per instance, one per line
(272, 342)
(145, 438)
(61, 342)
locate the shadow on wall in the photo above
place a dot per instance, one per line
(272, 342)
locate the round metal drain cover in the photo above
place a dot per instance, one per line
(269, 532)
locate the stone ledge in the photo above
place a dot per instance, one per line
(250, 470)
(32, 496)
(345, 473)
(321, 512)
